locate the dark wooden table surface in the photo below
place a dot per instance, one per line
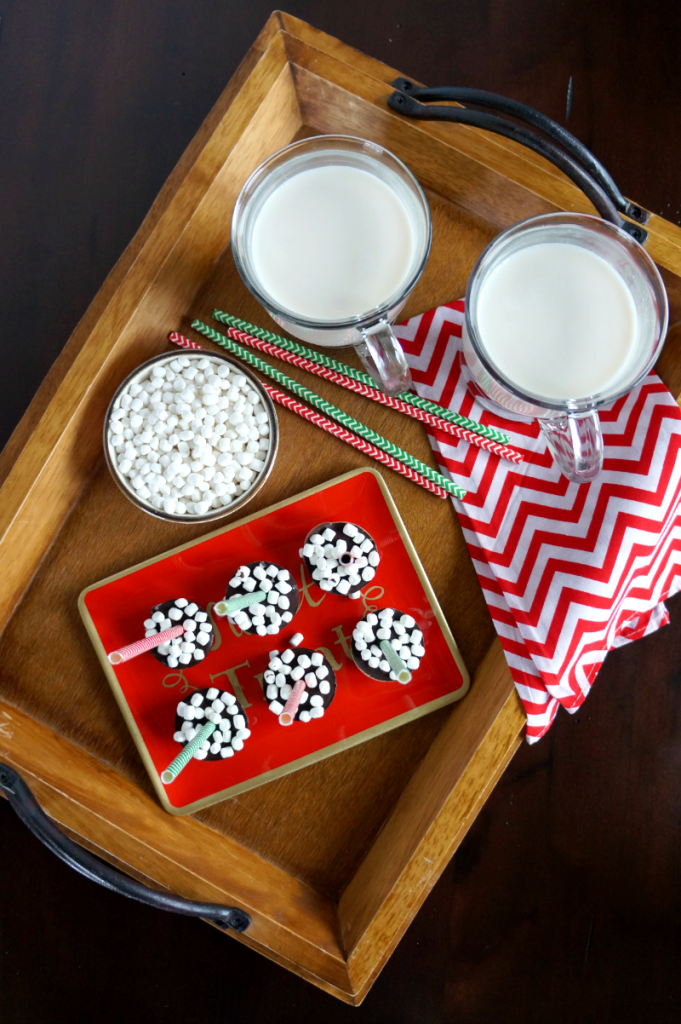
(564, 901)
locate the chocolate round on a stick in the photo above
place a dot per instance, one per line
(273, 595)
(400, 631)
(340, 557)
(289, 666)
(193, 644)
(222, 708)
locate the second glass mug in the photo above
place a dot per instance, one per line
(369, 330)
(571, 427)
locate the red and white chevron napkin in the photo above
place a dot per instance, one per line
(569, 571)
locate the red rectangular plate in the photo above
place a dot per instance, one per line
(148, 693)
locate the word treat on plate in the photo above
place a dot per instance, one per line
(299, 684)
(261, 598)
(340, 557)
(189, 436)
(388, 645)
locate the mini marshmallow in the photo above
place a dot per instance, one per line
(295, 640)
(317, 659)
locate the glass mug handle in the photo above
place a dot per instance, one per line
(576, 444)
(382, 355)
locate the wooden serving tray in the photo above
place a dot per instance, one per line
(333, 861)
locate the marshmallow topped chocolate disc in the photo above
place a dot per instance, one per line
(193, 645)
(276, 606)
(286, 668)
(211, 705)
(400, 630)
(340, 557)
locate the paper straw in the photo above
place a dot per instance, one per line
(331, 428)
(503, 451)
(333, 364)
(330, 410)
(396, 664)
(186, 754)
(291, 705)
(235, 604)
(140, 646)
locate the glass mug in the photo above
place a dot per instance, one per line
(333, 256)
(569, 422)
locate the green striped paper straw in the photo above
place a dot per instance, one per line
(333, 364)
(186, 754)
(329, 410)
(396, 664)
(235, 604)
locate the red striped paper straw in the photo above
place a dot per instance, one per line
(332, 428)
(140, 646)
(502, 450)
(357, 442)
(291, 706)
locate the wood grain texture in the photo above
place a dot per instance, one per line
(372, 853)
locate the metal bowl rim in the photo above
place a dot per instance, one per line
(247, 495)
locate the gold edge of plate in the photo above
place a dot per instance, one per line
(123, 706)
(226, 529)
(319, 755)
(425, 582)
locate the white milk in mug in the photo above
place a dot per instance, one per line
(564, 314)
(331, 234)
(559, 321)
(332, 242)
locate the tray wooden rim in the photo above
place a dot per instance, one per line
(340, 946)
(335, 748)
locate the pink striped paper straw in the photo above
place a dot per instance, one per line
(140, 646)
(179, 339)
(502, 450)
(332, 428)
(291, 706)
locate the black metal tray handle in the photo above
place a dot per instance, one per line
(561, 148)
(21, 799)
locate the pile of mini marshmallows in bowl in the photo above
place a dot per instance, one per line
(277, 609)
(284, 671)
(190, 435)
(212, 706)
(340, 558)
(190, 647)
(399, 629)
